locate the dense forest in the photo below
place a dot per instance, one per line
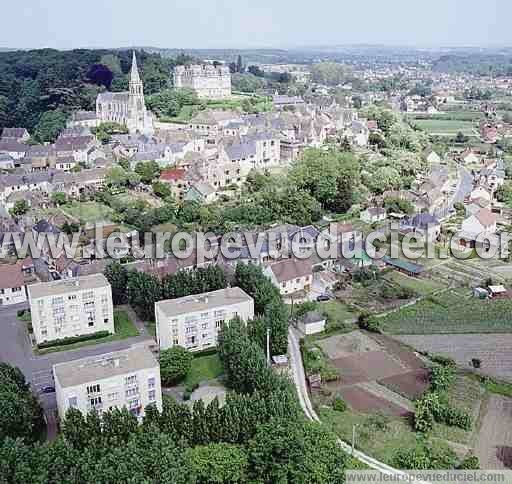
(35, 82)
(480, 64)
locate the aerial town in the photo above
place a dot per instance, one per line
(254, 265)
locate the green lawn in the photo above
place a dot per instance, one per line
(124, 328)
(446, 127)
(451, 312)
(337, 312)
(422, 287)
(88, 211)
(204, 368)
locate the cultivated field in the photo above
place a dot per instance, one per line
(445, 127)
(493, 350)
(451, 312)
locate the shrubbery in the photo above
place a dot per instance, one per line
(73, 339)
(175, 363)
(339, 404)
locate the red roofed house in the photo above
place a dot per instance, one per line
(12, 284)
(175, 177)
(291, 275)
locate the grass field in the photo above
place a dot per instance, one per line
(459, 115)
(422, 287)
(88, 211)
(124, 328)
(451, 312)
(204, 368)
(445, 127)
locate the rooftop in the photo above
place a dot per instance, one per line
(95, 368)
(65, 286)
(202, 302)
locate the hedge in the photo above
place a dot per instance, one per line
(73, 339)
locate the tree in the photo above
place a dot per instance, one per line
(105, 131)
(21, 416)
(101, 75)
(217, 463)
(175, 363)
(70, 228)
(118, 178)
(147, 171)
(143, 291)
(117, 276)
(330, 73)
(239, 64)
(161, 189)
(21, 207)
(49, 126)
(59, 198)
(384, 178)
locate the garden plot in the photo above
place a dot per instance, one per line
(493, 350)
(494, 443)
(411, 385)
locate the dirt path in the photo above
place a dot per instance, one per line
(494, 443)
(383, 392)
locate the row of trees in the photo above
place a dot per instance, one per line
(142, 290)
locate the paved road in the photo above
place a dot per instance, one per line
(299, 378)
(16, 349)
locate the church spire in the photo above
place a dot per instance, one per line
(134, 75)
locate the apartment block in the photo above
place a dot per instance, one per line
(71, 307)
(127, 378)
(194, 321)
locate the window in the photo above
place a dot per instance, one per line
(219, 323)
(151, 382)
(72, 402)
(130, 380)
(204, 326)
(105, 320)
(131, 392)
(175, 341)
(93, 389)
(95, 402)
(152, 395)
(72, 297)
(113, 396)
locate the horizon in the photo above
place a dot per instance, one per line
(243, 25)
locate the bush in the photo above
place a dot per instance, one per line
(369, 323)
(339, 404)
(175, 363)
(443, 360)
(72, 339)
(434, 407)
(329, 374)
(442, 378)
(470, 462)
(425, 455)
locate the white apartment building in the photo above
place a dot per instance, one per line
(193, 322)
(71, 307)
(127, 378)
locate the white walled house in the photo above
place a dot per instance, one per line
(312, 323)
(483, 221)
(194, 321)
(291, 275)
(373, 214)
(481, 192)
(71, 307)
(12, 284)
(127, 378)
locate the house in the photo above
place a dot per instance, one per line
(312, 323)
(483, 221)
(12, 284)
(291, 275)
(373, 214)
(431, 156)
(128, 378)
(13, 148)
(480, 192)
(21, 135)
(423, 224)
(469, 157)
(194, 321)
(6, 161)
(201, 192)
(175, 178)
(71, 307)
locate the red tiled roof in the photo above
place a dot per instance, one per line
(11, 276)
(173, 175)
(486, 217)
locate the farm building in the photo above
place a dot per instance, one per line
(373, 214)
(404, 266)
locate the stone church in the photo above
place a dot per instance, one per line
(126, 108)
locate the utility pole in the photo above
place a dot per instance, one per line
(353, 437)
(268, 346)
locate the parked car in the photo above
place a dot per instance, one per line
(323, 298)
(48, 390)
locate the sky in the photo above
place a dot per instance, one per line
(67, 24)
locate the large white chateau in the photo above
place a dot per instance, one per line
(208, 81)
(126, 108)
